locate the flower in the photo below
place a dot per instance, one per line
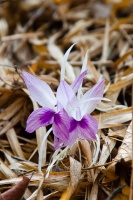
(68, 112)
(81, 123)
(52, 111)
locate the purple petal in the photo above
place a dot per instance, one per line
(64, 93)
(38, 118)
(73, 125)
(88, 128)
(84, 129)
(92, 98)
(76, 84)
(39, 90)
(61, 125)
(72, 138)
(58, 143)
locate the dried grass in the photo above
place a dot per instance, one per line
(34, 39)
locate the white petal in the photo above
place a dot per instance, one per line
(64, 94)
(91, 98)
(63, 66)
(39, 90)
(80, 94)
(85, 62)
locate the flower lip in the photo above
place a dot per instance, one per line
(86, 128)
(40, 117)
(57, 118)
(83, 123)
(61, 125)
(74, 124)
(47, 116)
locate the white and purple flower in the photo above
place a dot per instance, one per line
(81, 123)
(68, 112)
(52, 111)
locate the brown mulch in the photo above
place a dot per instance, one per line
(34, 35)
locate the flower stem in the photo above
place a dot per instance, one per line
(41, 150)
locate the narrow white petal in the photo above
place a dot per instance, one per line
(64, 62)
(84, 66)
(82, 70)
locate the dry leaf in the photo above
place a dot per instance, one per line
(34, 39)
(17, 191)
(75, 173)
